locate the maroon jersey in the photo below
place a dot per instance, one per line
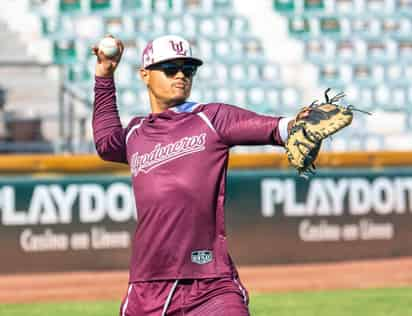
(178, 162)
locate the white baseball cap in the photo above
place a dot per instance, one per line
(166, 48)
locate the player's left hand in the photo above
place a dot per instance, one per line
(313, 124)
(304, 113)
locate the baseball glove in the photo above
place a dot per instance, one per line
(319, 122)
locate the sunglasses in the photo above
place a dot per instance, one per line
(171, 69)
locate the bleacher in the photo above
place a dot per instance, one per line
(362, 47)
(235, 69)
(357, 46)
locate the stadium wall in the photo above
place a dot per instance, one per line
(18, 164)
(62, 213)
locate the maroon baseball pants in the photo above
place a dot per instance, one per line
(211, 297)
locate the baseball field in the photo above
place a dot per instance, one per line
(370, 287)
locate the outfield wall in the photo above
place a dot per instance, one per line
(53, 221)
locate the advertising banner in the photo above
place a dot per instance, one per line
(277, 217)
(66, 223)
(87, 222)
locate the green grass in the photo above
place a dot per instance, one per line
(371, 302)
(61, 309)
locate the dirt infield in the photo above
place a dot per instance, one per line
(83, 286)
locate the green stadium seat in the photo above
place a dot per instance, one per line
(196, 95)
(64, 51)
(379, 51)
(251, 47)
(330, 26)
(314, 50)
(222, 4)
(127, 75)
(114, 25)
(364, 75)
(366, 97)
(270, 72)
(346, 50)
(403, 6)
(161, 5)
(131, 5)
(223, 94)
(329, 75)
(299, 27)
(208, 94)
(36, 5)
(70, 6)
(239, 25)
(207, 25)
(128, 98)
(78, 73)
(403, 89)
(290, 99)
(345, 6)
(207, 71)
(239, 96)
(314, 4)
(398, 99)
(361, 26)
(382, 95)
(97, 5)
(407, 71)
(405, 49)
(49, 25)
(256, 97)
(240, 72)
(175, 25)
(284, 6)
(393, 26)
(273, 98)
(132, 101)
(376, 6)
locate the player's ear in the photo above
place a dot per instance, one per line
(144, 75)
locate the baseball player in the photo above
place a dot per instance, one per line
(178, 157)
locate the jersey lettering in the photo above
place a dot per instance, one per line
(163, 154)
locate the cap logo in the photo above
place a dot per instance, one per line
(178, 48)
(167, 48)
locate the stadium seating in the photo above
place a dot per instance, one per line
(234, 72)
(362, 47)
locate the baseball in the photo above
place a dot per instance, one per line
(109, 47)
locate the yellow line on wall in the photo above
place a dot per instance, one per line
(12, 164)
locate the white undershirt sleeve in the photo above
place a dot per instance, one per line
(283, 128)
